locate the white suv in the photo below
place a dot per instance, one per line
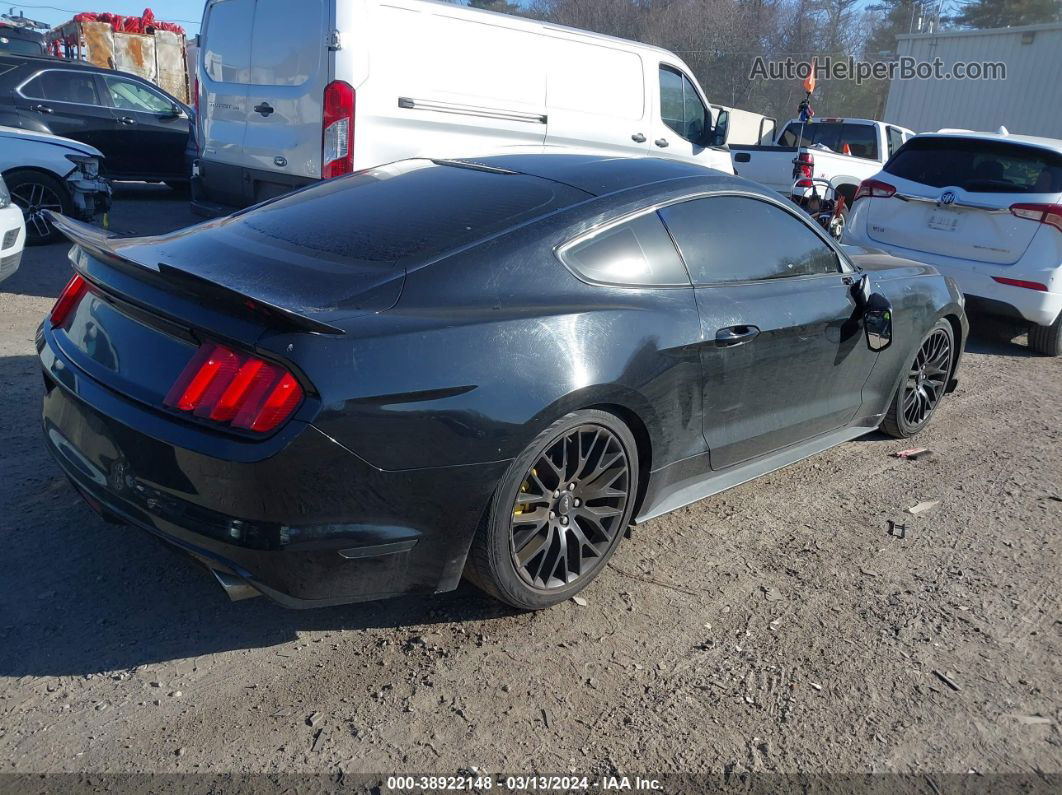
(12, 233)
(983, 208)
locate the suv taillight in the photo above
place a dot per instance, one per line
(68, 299)
(236, 389)
(337, 139)
(1050, 214)
(874, 189)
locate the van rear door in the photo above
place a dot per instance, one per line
(265, 67)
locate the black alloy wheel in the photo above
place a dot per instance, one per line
(567, 512)
(924, 383)
(558, 513)
(34, 193)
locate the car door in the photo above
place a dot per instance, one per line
(783, 357)
(682, 124)
(151, 129)
(66, 102)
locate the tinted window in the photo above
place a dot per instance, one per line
(127, 95)
(63, 86)
(862, 139)
(409, 209)
(680, 107)
(20, 46)
(733, 239)
(895, 140)
(638, 252)
(227, 40)
(978, 166)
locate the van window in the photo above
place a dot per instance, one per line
(61, 85)
(638, 252)
(737, 239)
(288, 41)
(978, 166)
(592, 79)
(680, 107)
(227, 40)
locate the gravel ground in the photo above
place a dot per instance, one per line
(780, 626)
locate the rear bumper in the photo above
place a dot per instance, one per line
(222, 188)
(975, 281)
(309, 525)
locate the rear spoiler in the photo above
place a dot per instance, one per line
(100, 244)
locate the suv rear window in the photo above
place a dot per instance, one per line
(978, 166)
(412, 209)
(862, 139)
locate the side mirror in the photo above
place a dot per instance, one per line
(175, 111)
(877, 322)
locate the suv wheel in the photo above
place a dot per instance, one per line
(1047, 339)
(34, 192)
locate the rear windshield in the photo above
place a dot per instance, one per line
(861, 139)
(413, 209)
(978, 166)
(9, 44)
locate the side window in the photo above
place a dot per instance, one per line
(127, 95)
(638, 252)
(63, 86)
(737, 239)
(895, 139)
(680, 107)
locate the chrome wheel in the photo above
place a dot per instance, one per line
(927, 379)
(34, 198)
(570, 506)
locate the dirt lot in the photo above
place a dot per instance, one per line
(777, 627)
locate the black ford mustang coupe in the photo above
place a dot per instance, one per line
(430, 369)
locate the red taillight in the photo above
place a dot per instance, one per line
(1020, 283)
(804, 165)
(337, 139)
(69, 298)
(238, 389)
(1050, 214)
(875, 189)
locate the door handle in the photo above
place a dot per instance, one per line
(41, 108)
(126, 120)
(638, 138)
(661, 142)
(735, 335)
(264, 108)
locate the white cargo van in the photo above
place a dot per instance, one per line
(292, 93)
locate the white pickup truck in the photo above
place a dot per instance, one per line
(842, 151)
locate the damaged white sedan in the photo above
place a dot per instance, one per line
(45, 172)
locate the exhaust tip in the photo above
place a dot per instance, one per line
(236, 588)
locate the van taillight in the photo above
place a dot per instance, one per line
(235, 389)
(874, 189)
(68, 300)
(1050, 214)
(337, 140)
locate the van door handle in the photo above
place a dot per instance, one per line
(661, 142)
(735, 335)
(126, 120)
(638, 138)
(46, 109)
(264, 108)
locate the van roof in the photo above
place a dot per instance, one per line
(528, 22)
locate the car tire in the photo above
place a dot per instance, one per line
(1047, 339)
(548, 546)
(34, 191)
(924, 383)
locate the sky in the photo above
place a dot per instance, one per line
(186, 13)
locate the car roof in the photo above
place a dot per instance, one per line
(1054, 144)
(600, 175)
